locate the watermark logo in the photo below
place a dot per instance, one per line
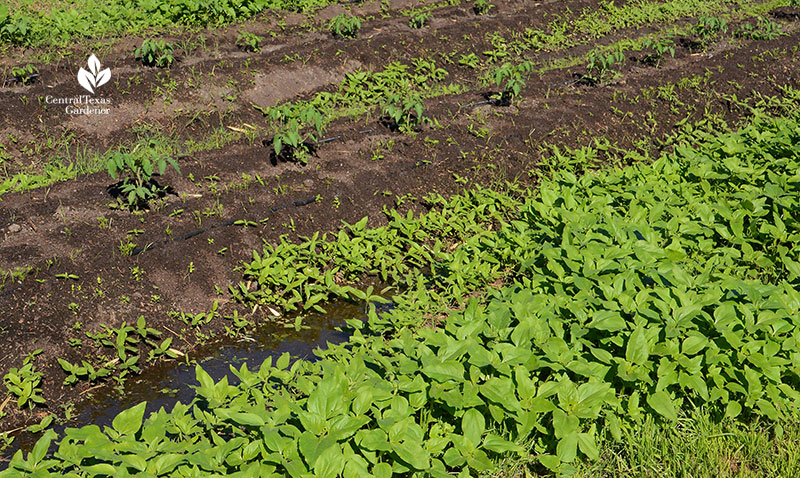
(87, 104)
(93, 78)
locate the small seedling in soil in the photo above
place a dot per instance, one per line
(481, 7)
(599, 65)
(344, 25)
(248, 41)
(155, 53)
(67, 276)
(24, 74)
(419, 19)
(245, 223)
(404, 111)
(138, 187)
(511, 78)
(470, 61)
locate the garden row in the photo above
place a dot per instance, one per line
(537, 324)
(506, 66)
(399, 90)
(98, 19)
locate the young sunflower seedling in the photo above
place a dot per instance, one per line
(248, 41)
(511, 78)
(404, 111)
(138, 187)
(344, 25)
(155, 53)
(419, 19)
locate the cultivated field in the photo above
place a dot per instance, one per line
(558, 237)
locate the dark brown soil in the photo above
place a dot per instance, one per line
(68, 228)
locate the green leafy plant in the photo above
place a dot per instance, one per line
(419, 19)
(599, 64)
(138, 188)
(707, 28)
(344, 25)
(124, 343)
(469, 60)
(482, 7)
(661, 47)
(297, 129)
(510, 78)
(763, 29)
(584, 309)
(404, 110)
(249, 41)
(155, 53)
(24, 382)
(201, 318)
(24, 74)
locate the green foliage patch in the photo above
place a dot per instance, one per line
(345, 25)
(137, 187)
(24, 382)
(249, 41)
(156, 53)
(95, 19)
(623, 295)
(299, 125)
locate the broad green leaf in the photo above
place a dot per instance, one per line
(413, 454)
(500, 445)
(637, 349)
(662, 403)
(587, 446)
(473, 424)
(567, 447)
(129, 422)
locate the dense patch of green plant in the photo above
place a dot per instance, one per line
(138, 188)
(624, 295)
(24, 74)
(298, 126)
(345, 25)
(470, 60)
(155, 53)
(124, 344)
(510, 78)
(660, 47)
(93, 18)
(707, 27)
(404, 110)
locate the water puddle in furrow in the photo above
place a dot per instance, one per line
(170, 381)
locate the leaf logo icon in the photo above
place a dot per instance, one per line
(93, 78)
